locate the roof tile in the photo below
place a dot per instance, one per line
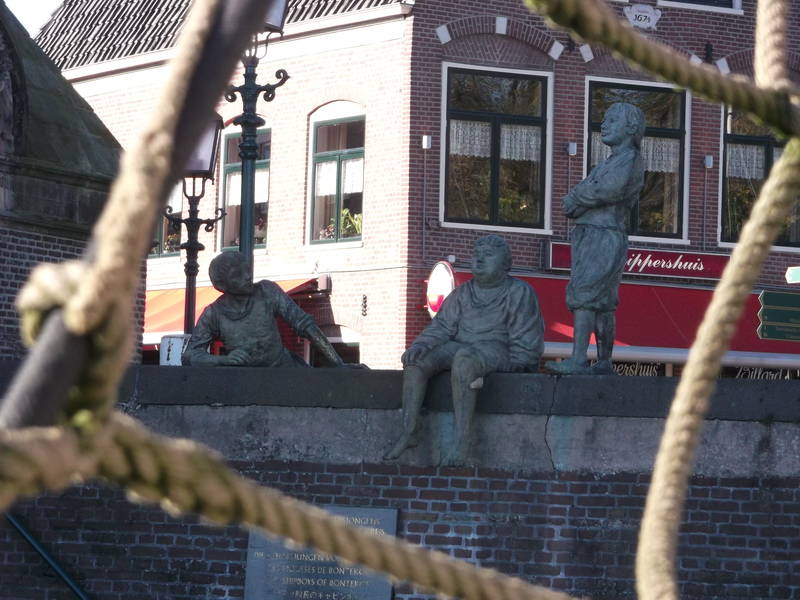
(83, 32)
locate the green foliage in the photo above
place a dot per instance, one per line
(350, 224)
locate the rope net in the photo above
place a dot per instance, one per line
(94, 441)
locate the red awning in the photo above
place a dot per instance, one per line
(653, 316)
(163, 309)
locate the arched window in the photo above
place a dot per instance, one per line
(337, 173)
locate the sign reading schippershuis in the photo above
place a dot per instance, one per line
(655, 263)
(275, 572)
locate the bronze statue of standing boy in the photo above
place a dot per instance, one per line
(599, 205)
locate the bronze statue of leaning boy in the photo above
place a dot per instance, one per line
(490, 323)
(243, 318)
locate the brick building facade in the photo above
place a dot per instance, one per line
(443, 159)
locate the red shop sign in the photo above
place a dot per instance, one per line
(655, 263)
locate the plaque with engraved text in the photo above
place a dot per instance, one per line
(275, 572)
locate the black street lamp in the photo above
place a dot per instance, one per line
(199, 169)
(250, 121)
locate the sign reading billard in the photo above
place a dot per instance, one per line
(654, 263)
(275, 572)
(779, 316)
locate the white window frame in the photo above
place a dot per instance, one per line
(547, 228)
(687, 145)
(332, 111)
(720, 199)
(736, 9)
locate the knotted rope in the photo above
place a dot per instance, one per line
(185, 477)
(769, 64)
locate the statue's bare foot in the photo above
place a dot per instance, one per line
(603, 367)
(407, 440)
(456, 457)
(568, 366)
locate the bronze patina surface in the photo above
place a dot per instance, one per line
(599, 205)
(490, 323)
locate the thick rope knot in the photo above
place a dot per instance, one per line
(51, 287)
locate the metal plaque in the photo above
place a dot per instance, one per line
(275, 572)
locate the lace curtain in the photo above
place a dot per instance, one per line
(660, 155)
(233, 187)
(474, 138)
(744, 161)
(520, 142)
(470, 138)
(353, 176)
(325, 174)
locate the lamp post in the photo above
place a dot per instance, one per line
(199, 169)
(250, 121)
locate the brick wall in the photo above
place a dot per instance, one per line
(21, 249)
(574, 532)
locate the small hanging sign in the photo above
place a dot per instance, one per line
(642, 16)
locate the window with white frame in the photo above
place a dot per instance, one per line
(749, 153)
(337, 180)
(495, 148)
(167, 237)
(730, 5)
(659, 212)
(232, 189)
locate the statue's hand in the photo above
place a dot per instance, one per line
(413, 354)
(236, 357)
(568, 206)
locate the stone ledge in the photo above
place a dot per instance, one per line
(503, 393)
(526, 422)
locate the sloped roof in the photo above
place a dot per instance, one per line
(54, 125)
(83, 32)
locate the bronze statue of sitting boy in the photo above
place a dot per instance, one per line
(490, 323)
